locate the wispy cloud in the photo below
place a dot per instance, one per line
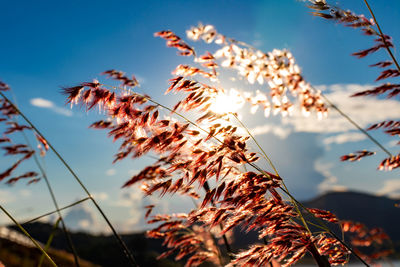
(330, 183)
(278, 130)
(394, 143)
(132, 199)
(363, 110)
(344, 138)
(80, 217)
(44, 103)
(100, 196)
(6, 197)
(111, 172)
(391, 188)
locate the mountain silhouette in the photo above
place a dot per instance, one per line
(373, 211)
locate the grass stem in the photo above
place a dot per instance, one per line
(53, 198)
(56, 211)
(127, 252)
(28, 235)
(344, 115)
(382, 35)
(49, 241)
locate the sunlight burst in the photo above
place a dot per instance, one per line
(227, 102)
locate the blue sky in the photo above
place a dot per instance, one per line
(47, 45)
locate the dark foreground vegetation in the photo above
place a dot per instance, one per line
(101, 250)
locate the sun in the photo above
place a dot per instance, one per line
(227, 102)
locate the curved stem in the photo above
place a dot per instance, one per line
(49, 241)
(357, 126)
(319, 259)
(206, 188)
(267, 175)
(275, 170)
(28, 235)
(116, 235)
(254, 166)
(258, 145)
(326, 227)
(251, 164)
(60, 209)
(53, 198)
(163, 106)
(382, 35)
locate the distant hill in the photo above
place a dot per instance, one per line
(17, 250)
(373, 211)
(103, 250)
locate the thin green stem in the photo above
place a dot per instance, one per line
(382, 35)
(49, 241)
(127, 252)
(53, 198)
(67, 234)
(324, 225)
(206, 188)
(165, 107)
(258, 145)
(251, 164)
(319, 220)
(274, 168)
(28, 235)
(318, 226)
(357, 126)
(56, 211)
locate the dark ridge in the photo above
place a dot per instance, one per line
(372, 210)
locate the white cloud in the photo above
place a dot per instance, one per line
(44, 103)
(6, 197)
(363, 110)
(330, 182)
(390, 188)
(100, 195)
(130, 197)
(25, 193)
(394, 143)
(111, 172)
(84, 223)
(62, 111)
(279, 131)
(133, 201)
(344, 138)
(85, 217)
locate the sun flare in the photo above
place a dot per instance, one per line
(227, 102)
